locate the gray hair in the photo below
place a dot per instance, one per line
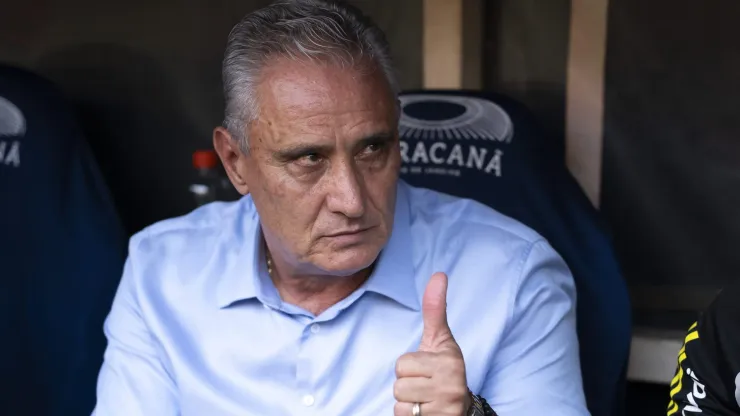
(316, 30)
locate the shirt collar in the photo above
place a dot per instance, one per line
(245, 276)
(239, 280)
(394, 275)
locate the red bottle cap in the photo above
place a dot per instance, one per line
(204, 159)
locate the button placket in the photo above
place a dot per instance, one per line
(304, 370)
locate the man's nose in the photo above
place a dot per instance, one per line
(346, 193)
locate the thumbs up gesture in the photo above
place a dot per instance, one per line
(433, 376)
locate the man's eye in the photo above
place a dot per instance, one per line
(309, 159)
(373, 148)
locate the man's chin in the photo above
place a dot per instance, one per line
(348, 262)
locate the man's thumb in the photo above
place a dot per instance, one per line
(434, 312)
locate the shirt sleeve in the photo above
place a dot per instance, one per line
(708, 371)
(536, 370)
(133, 379)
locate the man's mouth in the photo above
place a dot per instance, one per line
(348, 232)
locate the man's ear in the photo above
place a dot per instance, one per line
(233, 159)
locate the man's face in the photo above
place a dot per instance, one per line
(323, 164)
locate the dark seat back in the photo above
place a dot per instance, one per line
(61, 253)
(489, 148)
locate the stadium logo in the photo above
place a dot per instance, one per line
(446, 134)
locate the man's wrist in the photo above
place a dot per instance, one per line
(469, 403)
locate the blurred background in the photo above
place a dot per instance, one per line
(642, 96)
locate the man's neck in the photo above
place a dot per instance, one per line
(314, 293)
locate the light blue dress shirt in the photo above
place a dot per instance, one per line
(198, 329)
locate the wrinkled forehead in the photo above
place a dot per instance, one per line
(300, 99)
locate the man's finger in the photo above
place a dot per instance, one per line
(416, 364)
(413, 390)
(434, 311)
(405, 409)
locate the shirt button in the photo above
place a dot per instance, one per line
(315, 328)
(308, 400)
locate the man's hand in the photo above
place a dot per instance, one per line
(435, 375)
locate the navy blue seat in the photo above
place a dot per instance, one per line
(62, 249)
(489, 148)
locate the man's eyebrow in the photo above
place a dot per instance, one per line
(377, 138)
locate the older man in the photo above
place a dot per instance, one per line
(332, 288)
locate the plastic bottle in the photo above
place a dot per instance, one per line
(208, 181)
